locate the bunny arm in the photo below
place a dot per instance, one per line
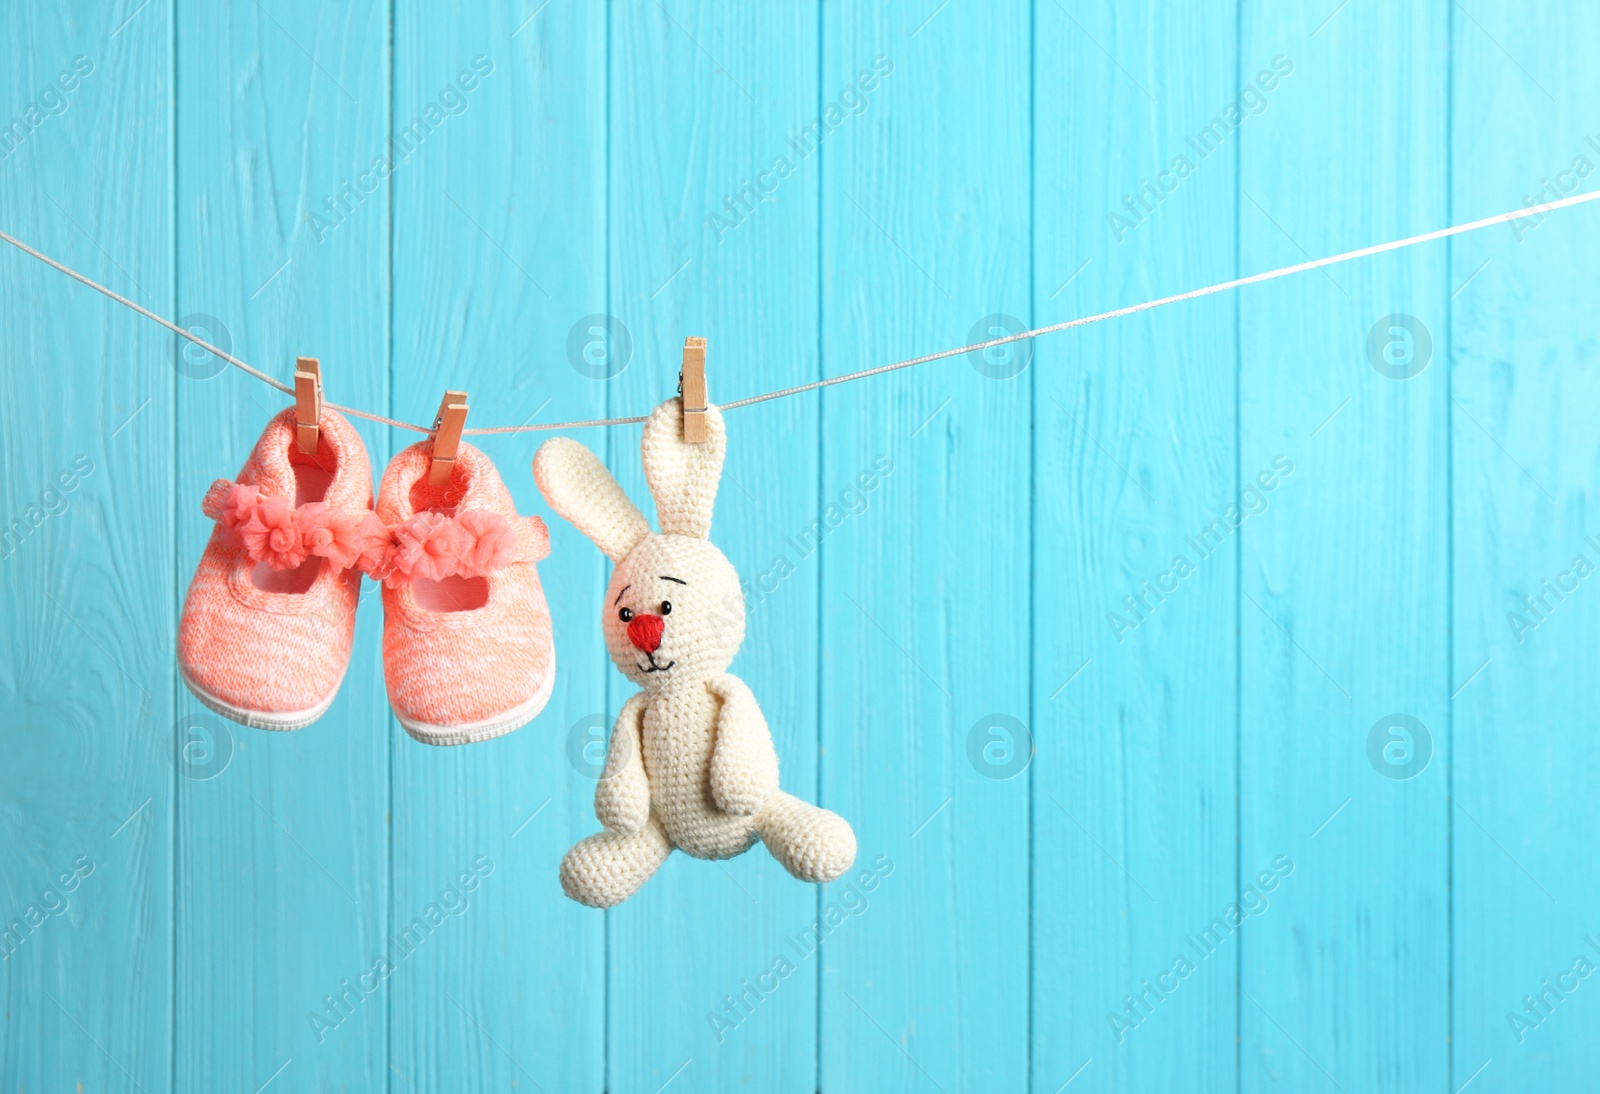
(622, 797)
(744, 763)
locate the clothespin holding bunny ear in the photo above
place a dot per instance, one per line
(307, 403)
(447, 426)
(692, 386)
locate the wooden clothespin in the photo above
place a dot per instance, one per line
(447, 426)
(307, 403)
(692, 386)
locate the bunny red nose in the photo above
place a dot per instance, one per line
(645, 632)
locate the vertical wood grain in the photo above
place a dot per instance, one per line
(86, 562)
(1522, 336)
(937, 563)
(1344, 609)
(704, 99)
(499, 250)
(1135, 593)
(925, 601)
(283, 852)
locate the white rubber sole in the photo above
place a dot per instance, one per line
(260, 719)
(469, 733)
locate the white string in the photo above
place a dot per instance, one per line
(1117, 313)
(207, 346)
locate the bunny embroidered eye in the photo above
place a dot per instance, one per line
(666, 607)
(625, 615)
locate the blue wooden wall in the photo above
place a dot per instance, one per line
(1211, 690)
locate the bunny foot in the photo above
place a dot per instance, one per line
(607, 868)
(812, 843)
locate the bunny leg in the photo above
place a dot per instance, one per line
(812, 843)
(608, 867)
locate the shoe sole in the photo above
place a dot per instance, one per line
(469, 733)
(259, 719)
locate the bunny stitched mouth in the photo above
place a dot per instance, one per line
(655, 667)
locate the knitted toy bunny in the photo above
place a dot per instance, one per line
(693, 743)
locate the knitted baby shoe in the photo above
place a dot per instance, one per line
(267, 624)
(467, 647)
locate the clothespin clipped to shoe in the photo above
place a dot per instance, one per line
(692, 386)
(307, 403)
(447, 426)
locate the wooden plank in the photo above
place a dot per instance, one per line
(499, 249)
(1344, 587)
(925, 597)
(283, 879)
(1135, 593)
(707, 97)
(1522, 331)
(86, 557)
(981, 571)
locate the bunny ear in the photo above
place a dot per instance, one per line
(578, 486)
(683, 476)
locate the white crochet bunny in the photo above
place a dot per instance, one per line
(693, 743)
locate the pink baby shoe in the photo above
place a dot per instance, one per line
(467, 646)
(266, 628)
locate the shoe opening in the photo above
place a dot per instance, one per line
(294, 581)
(453, 594)
(313, 473)
(443, 499)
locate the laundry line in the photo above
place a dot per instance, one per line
(1054, 328)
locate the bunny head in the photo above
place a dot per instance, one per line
(674, 610)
